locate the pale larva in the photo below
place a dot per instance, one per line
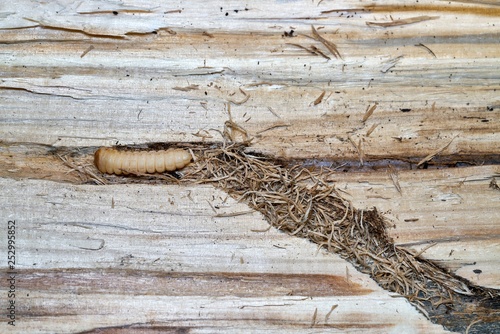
(112, 161)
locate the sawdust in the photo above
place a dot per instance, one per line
(304, 204)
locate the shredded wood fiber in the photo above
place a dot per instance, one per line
(304, 204)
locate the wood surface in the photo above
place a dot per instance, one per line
(157, 258)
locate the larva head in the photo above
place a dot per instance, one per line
(182, 158)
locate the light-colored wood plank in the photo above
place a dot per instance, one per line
(455, 211)
(159, 258)
(132, 85)
(84, 74)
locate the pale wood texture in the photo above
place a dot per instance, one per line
(455, 212)
(157, 256)
(83, 74)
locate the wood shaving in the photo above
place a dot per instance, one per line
(401, 22)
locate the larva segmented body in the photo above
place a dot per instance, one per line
(112, 161)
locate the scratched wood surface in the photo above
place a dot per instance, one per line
(407, 81)
(158, 258)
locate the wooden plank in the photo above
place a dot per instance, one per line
(455, 246)
(136, 85)
(453, 211)
(79, 75)
(135, 257)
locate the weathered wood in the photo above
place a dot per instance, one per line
(152, 214)
(134, 256)
(453, 210)
(137, 85)
(86, 74)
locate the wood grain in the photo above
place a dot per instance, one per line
(166, 259)
(78, 75)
